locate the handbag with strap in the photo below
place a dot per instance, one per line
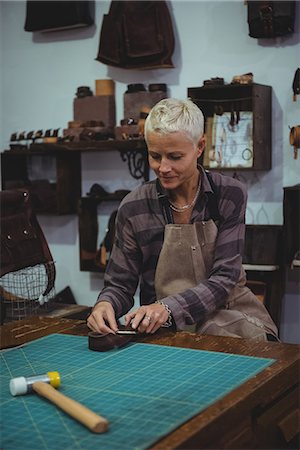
(23, 243)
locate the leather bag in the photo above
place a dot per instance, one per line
(137, 34)
(58, 15)
(271, 19)
(23, 243)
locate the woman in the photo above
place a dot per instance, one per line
(181, 237)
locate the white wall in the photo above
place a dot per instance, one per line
(40, 74)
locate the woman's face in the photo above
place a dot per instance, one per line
(173, 158)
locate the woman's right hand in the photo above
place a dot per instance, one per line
(102, 318)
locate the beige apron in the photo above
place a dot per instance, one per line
(185, 260)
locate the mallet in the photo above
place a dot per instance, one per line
(45, 385)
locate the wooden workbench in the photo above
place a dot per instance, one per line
(263, 413)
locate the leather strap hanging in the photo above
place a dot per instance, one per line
(295, 139)
(296, 84)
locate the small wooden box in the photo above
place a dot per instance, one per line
(99, 108)
(135, 101)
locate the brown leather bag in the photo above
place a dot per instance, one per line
(269, 19)
(137, 34)
(58, 15)
(23, 243)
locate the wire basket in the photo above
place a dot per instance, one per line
(27, 292)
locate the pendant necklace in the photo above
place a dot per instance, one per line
(181, 209)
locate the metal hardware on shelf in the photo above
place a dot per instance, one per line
(137, 161)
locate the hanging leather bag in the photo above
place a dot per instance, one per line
(271, 19)
(58, 15)
(137, 34)
(23, 243)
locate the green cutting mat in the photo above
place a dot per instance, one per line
(145, 391)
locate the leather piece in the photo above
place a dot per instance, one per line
(103, 343)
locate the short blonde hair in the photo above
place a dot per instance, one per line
(171, 115)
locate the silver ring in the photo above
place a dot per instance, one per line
(148, 318)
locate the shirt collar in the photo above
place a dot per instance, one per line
(205, 184)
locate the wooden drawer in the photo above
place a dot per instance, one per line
(278, 424)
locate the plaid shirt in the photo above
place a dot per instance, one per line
(139, 238)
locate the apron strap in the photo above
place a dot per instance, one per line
(212, 200)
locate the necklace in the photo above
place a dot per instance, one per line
(181, 209)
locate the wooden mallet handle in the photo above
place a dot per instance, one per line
(91, 420)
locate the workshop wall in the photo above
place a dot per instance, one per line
(40, 74)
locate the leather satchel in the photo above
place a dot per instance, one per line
(137, 34)
(23, 243)
(45, 16)
(268, 19)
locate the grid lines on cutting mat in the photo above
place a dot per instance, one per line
(144, 390)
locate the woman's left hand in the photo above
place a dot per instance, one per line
(147, 318)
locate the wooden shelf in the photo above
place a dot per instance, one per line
(81, 147)
(89, 226)
(235, 99)
(66, 190)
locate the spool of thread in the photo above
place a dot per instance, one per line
(22, 385)
(154, 87)
(83, 91)
(135, 87)
(105, 87)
